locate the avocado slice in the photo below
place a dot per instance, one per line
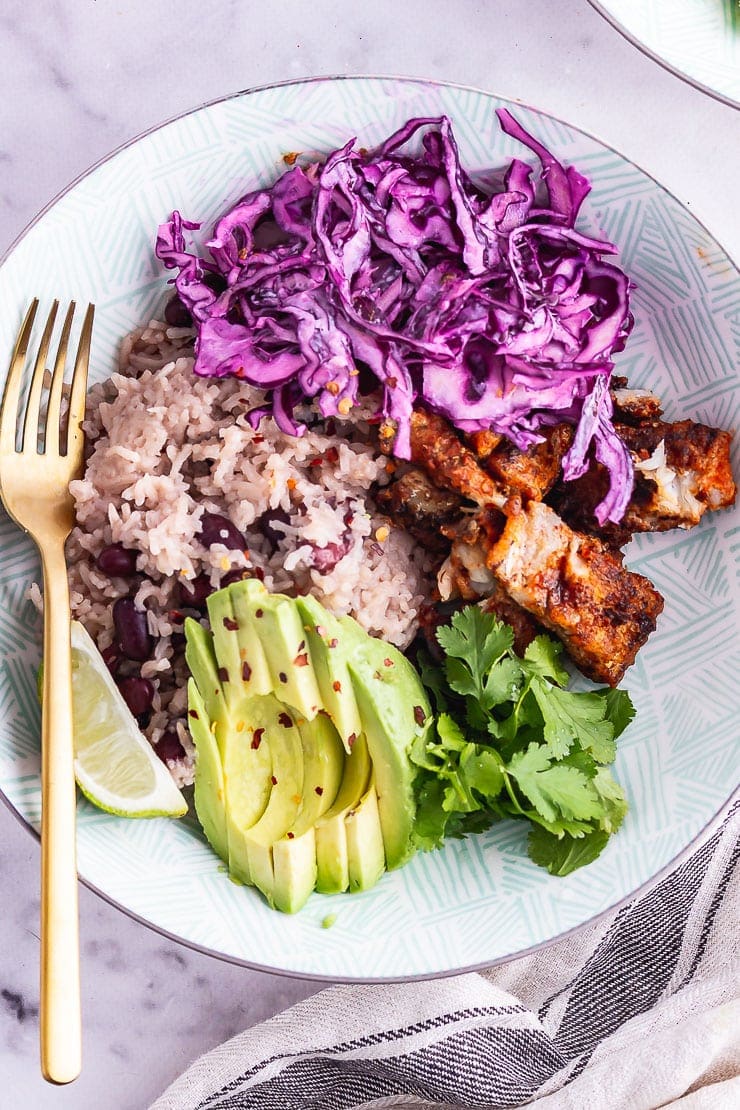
(276, 621)
(237, 642)
(394, 710)
(365, 852)
(209, 779)
(294, 855)
(327, 644)
(332, 862)
(255, 849)
(201, 659)
(255, 672)
(225, 733)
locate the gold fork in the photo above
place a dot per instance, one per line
(34, 486)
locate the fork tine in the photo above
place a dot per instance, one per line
(54, 408)
(9, 411)
(33, 404)
(75, 436)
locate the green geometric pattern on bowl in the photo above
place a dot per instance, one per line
(479, 900)
(698, 39)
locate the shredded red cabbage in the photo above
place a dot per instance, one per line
(488, 307)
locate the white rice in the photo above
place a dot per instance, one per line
(165, 447)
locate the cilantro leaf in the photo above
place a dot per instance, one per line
(476, 637)
(565, 854)
(450, 733)
(510, 740)
(553, 789)
(573, 717)
(614, 803)
(434, 680)
(619, 710)
(483, 770)
(541, 658)
(503, 683)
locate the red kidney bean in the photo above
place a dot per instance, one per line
(111, 658)
(266, 526)
(176, 314)
(215, 528)
(193, 593)
(326, 558)
(117, 561)
(132, 634)
(138, 693)
(169, 746)
(237, 575)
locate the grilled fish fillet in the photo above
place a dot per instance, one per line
(681, 471)
(577, 588)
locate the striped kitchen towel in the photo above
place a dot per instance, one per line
(638, 1011)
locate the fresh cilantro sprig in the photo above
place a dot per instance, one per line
(509, 740)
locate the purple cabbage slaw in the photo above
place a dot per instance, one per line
(489, 308)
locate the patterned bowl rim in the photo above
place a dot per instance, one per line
(711, 826)
(663, 62)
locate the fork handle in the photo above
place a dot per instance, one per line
(60, 1017)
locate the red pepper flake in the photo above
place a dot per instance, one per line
(257, 738)
(258, 439)
(283, 677)
(291, 157)
(192, 713)
(316, 461)
(232, 626)
(246, 671)
(320, 630)
(419, 715)
(331, 426)
(259, 612)
(273, 780)
(285, 720)
(259, 574)
(331, 455)
(290, 835)
(301, 660)
(391, 382)
(302, 646)
(334, 642)
(387, 662)
(336, 686)
(223, 674)
(351, 739)
(175, 616)
(319, 790)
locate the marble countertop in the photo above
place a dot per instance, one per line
(79, 77)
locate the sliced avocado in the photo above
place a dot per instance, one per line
(245, 762)
(248, 757)
(237, 643)
(327, 644)
(209, 779)
(294, 856)
(332, 863)
(255, 672)
(294, 872)
(365, 852)
(201, 660)
(284, 740)
(276, 621)
(394, 710)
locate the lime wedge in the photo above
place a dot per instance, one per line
(115, 766)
